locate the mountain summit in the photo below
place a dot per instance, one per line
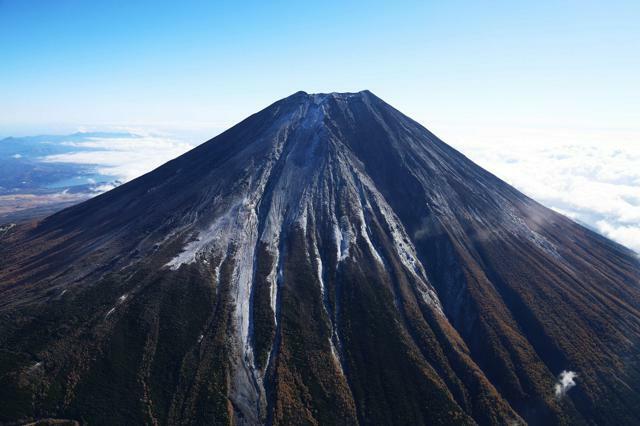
(327, 260)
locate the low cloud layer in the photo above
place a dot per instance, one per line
(593, 181)
(566, 380)
(124, 158)
(593, 178)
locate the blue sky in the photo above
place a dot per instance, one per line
(189, 64)
(546, 94)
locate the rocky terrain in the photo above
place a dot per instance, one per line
(326, 261)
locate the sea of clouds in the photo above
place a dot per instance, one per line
(124, 158)
(593, 179)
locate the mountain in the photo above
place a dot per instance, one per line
(326, 261)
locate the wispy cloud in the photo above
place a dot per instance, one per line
(566, 380)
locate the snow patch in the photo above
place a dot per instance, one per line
(35, 366)
(520, 227)
(219, 233)
(274, 278)
(365, 234)
(319, 271)
(344, 237)
(403, 246)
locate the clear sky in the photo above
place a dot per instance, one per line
(546, 94)
(196, 64)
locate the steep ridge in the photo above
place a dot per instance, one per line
(325, 261)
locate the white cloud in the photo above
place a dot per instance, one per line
(565, 383)
(16, 156)
(124, 158)
(627, 235)
(99, 189)
(592, 178)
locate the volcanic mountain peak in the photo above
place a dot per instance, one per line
(327, 260)
(323, 96)
(311, 186)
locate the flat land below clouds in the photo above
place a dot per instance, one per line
(15, 207)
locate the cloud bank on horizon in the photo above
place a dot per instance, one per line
(45, 171)
(125, 157)
(593, 181)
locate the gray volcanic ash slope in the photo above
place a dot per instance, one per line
(326, 261)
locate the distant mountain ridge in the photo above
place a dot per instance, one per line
(327, 260)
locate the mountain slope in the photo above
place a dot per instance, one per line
(325, 261)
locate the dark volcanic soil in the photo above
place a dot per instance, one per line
(326, 261)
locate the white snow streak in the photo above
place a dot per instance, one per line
(365, 233)
(403, 245)
(344, 237)
(217, 235)
(319, 271)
